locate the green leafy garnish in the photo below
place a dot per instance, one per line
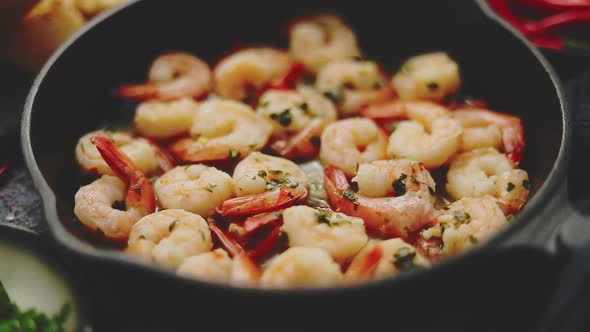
(284, 118)
(323, 216)
(263, 104)
(462, 217)
(13, 319)
(509, 186)
(403, 259)
(399, 186)
(210, 187)
(262, 173)
(173, 225)
(349, 194)
(304, 107)
(234, 154)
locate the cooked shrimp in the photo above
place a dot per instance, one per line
(298, 117)
(248, 71)
(139, 150)
(300, 267)
(352, 84)
(488, 172)
(385, 216)
(164, 119)
(199, 189)
(172, 76)
(243, 272)
(432, 76)
(291, 111)
(94, 202)
(222, 129)
(396, 256)
(348, 143)
(214, 266)
(168, 237)
(394, 177)
(465, 223)
(266, 183)
(431, 136)
(318, 40)
(342, 236)
(484, 125)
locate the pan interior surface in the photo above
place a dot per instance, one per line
(74, 95)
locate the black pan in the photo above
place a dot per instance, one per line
(71, 96)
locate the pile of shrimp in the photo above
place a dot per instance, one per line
(306, 167)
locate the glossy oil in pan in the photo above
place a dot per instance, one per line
(71, 96)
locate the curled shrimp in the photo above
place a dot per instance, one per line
(243, 271)
(222, 129)
(512, 132)
(160, 119)
(432, 76)
(297, 117)
(302, 267)
(199, 189)
(352, 84)
(139, 150)
(242, 75)
(342, 236)
(265, 183)
(348, 143)
(318, 40)
(466, 223)
(172, 76)
(94, 202)
(488, 172)
(170, 236)
(430, 136)
(385, 216)
(394, 177)
(382, 259)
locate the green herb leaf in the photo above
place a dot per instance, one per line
(404, 260)
(234, 154)
(399, 186)
(262, 173)
(323, 216)
(263, 104)
(349, 194)
(462, 217)
(509, 186)
(173, 225)
(304, 107)
(210, 187)
(284, 118)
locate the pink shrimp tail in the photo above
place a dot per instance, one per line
(140, 194)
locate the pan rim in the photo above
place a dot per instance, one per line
(70, 243)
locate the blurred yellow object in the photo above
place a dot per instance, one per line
(43, 29)
(30, 31)
(93, 7)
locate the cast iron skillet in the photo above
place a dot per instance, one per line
(71, 96)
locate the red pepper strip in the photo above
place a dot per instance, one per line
(295, 72)
(539, 31)
(283, 195)
(554, 5)
(366, 266)
(6, 166)
(227, 242)
(256, 222)
(265, 246)
(560, 20)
